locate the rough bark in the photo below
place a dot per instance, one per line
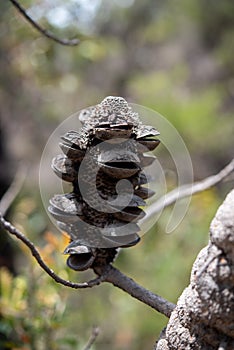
(204, 315)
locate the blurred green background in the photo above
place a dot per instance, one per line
(175, 57)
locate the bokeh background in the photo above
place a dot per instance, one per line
(175, 57)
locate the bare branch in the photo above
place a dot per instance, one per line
(106, 274)
(14, 231)
(46, 33)
(13, 190)
(93, 337)
(189, 190)
(128, 285)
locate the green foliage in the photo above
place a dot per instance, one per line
(32, 306)
(194, 114)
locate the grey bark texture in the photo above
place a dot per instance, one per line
(204, 315)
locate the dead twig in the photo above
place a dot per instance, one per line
(14, 231)
(188, 190)
(45, 32)
(127, 284)
(92, 339)
(13, 190)
(107, 274)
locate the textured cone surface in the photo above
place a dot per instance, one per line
(104, 161)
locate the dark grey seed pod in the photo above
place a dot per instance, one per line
(144, 192)
(64, 168)
(62, 216)
(125, 241)
(93, 236)
(130, 214)
(81, 257)
(107, 133)
(122, 170)
(147, 143)
(87, 235)
(146, 131)
(119, 228)
(77, 139)
(140, 179)
(135, 201)
(118, 157)
(67, 203)
(71, 152)
(80, 262)
(146, 160)
(101, 213)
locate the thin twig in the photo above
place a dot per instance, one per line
(13, 190)
(14, 231)
(48, 34)
(92, 339)
(188, 190)
(127, 284)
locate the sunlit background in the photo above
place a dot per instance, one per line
(175, 57)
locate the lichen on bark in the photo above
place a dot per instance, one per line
(204, 315)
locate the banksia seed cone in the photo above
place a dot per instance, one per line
(104, 162)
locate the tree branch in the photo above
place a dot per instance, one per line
(128, 285)
(93, 337)
(13, 190)
(106, 274)
(189, 190)
(46, 33)
(14, 231)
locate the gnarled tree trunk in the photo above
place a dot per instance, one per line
(204, 315)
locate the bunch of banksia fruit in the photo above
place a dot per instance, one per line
(104, 162)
